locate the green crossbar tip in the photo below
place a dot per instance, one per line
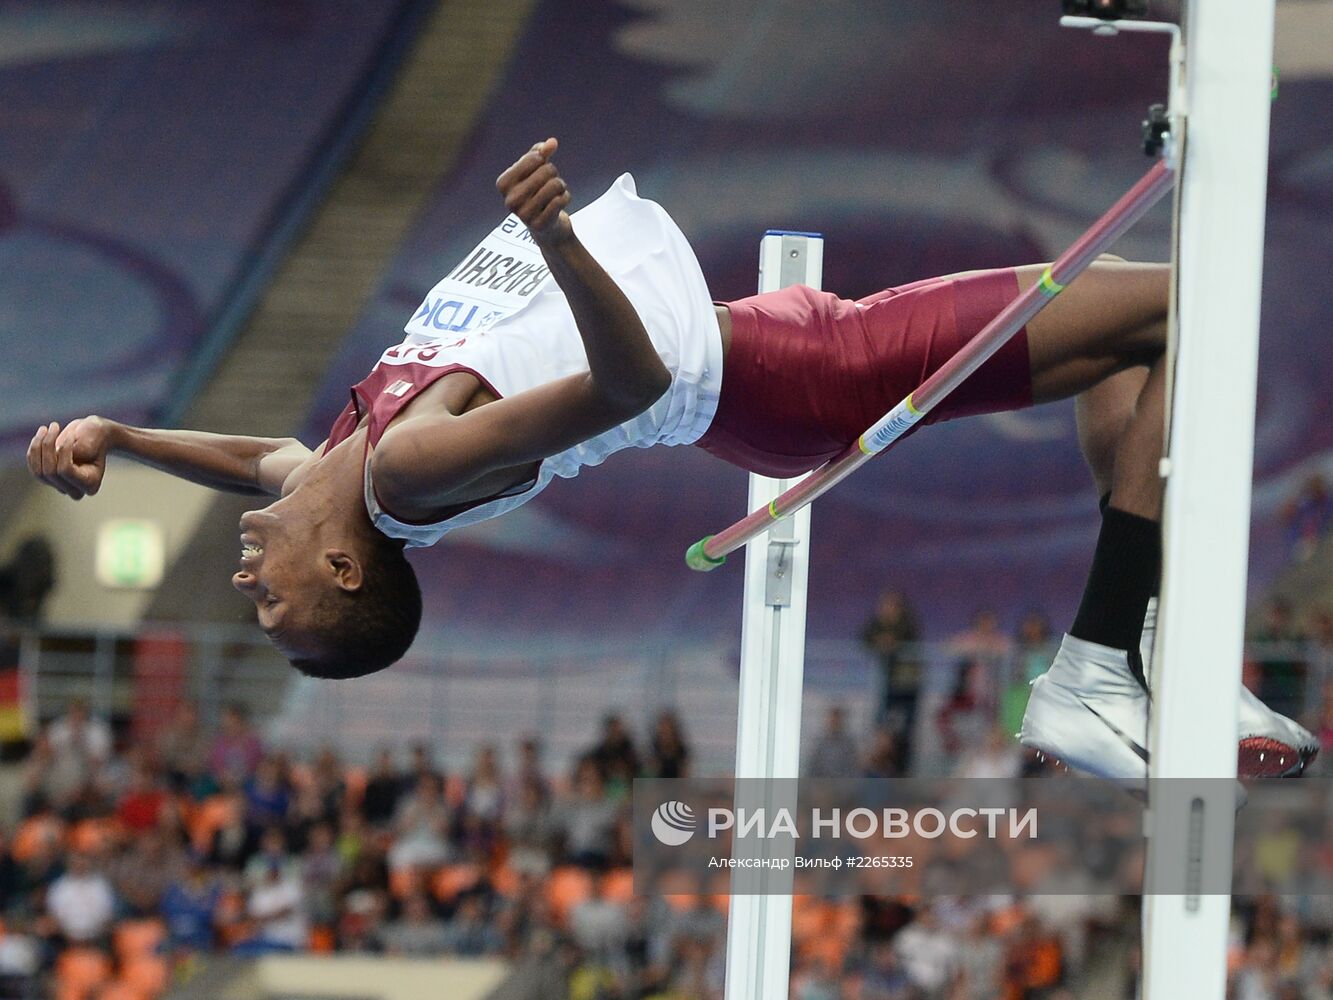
(697, 559)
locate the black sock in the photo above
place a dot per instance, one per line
(1124, 575)
(1103, 502)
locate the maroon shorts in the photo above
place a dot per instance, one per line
(807, 372)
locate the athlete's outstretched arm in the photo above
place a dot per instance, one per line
(72, 460)
(432, 459)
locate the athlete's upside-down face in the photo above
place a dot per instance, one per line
(289, 574)
(336, 597)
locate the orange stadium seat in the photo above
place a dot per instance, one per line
(137, 938)
(80, 973)
(451, 880)
(32, 833)
(807, 917)
(94, 836)
(823, 930)
(1004, 921)
(505, 881)
(1044, 966)
(565, 889)
(618, 885)
(679, 889)
(211, 816)
(147, 976)
(322, 941)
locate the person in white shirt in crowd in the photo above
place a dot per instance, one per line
(422, 826)
(277, 905)
(81, 902)
(80, 745)
(929, 953)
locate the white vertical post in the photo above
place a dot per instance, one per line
(1206, 520)
(768, 724)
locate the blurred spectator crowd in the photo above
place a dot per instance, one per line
(129, 854)
(128, 861)
(133, 855)
(1281, 949)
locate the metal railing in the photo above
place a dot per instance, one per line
(219, 665)
(495, 692)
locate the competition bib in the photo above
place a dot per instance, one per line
(497, 279)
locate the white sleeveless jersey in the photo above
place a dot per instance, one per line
(500, 315)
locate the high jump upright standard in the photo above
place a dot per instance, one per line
(768, 720)
(1208, 469)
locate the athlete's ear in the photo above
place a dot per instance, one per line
(347, 574)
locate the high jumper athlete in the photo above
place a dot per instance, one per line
(608, 339)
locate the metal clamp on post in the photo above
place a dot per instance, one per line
(777, 581)
(1156, 130)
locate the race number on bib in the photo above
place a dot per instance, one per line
(497, 279)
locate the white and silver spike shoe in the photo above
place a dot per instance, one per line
(1090, 711)
(1268, 744)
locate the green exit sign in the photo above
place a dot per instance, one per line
(131, 554)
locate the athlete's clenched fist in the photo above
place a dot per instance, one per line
(72, 460)
(534, 191)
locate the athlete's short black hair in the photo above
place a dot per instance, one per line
(373, 627)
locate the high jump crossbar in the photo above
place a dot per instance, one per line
(711, 551)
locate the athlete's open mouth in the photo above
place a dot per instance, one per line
(250, 549)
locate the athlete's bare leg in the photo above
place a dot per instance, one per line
(1111, 318)
(1103, 411)
(1102, 414)
(1136, 484)
(1094, 341)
